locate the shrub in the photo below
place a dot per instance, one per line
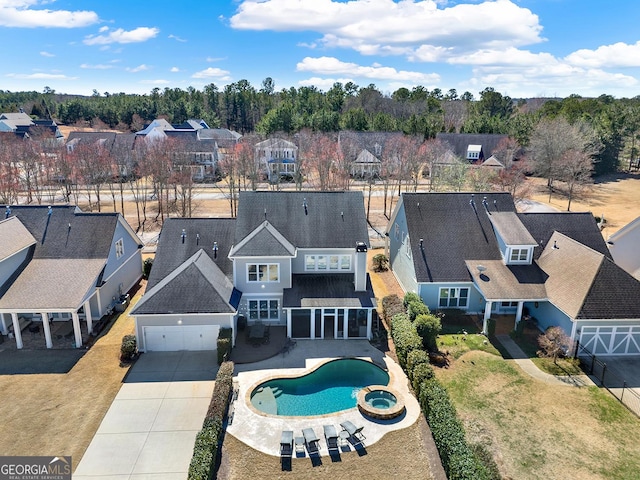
(421, 373)
(224, 344)
(380, 263)
(146, 267)
(415, 308)
(128, 348)
(415, 358)
(391, 305)
(205, 450)
(405, 337)
(428, 327)
(554, 343)
(410, 297)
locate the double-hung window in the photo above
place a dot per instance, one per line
(519, 255)
(454, 298)
(119, 248)
(263, 272)
(323, 263)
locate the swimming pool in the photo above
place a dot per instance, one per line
(330, 388)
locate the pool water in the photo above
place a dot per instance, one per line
(330, 388)
(380, 399)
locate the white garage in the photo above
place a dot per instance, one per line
(182, 337)
(611, 340)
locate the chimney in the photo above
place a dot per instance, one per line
(360, 267)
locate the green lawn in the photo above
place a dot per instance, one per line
(538, 431)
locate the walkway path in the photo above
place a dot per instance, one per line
(532, 370)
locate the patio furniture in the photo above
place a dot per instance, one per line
(288, 346)
(299, 445)
(286, 443)
(344, 438)
(311, 441)
(353, 431)
(331, 437)
(256, 333)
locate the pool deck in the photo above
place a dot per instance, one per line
(262, 432)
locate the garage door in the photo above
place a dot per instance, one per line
(171, 339)
(604, 340)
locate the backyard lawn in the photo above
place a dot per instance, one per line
(540, 431)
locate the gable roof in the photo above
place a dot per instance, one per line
(275, 143)
(14, 237)
(459, 142)
(366, 157)
(332, 219)
(492, 162)
(196, 286)
(453, 230)
(201, 234)
(265, 240)
(511, 229)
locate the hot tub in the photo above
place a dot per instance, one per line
(380, 402)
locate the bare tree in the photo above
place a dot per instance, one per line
(506, 151)
(513, 179)
(9, 170)
(554, 343)
(434, 156)
(321, 154)
(575, 169)
(230, 170)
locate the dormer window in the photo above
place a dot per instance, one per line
(520, 255)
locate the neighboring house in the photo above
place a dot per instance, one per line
(276, 158)
(366, 165)
(118, 145)
(58, 264)
(493, 163)
(22, 125)
(473, 147)
(294, 259)
(477, 254)
(624, 246)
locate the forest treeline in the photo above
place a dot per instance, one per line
(244, 108)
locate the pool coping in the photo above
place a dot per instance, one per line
(262, 432)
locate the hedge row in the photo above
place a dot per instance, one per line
(205, 451)
(224, 344)
(460, 460)
(391, 305)
(458, 457)
(405, 337)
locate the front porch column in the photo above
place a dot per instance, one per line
(16, 330)
(519, 313)
(313, 323)
(47, 329)
(3, 324)
(87, 316)
(487, 316)
(76, 329)
(288, 310)
(369, 322)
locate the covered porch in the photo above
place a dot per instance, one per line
(328, 307)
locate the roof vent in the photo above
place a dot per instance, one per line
(342, 215)
(265, 213)
(183, 235)
(7, 212)
(50, 210)
(197, 239)
(555, 245)
(486, 205)
(304, 204)
(215, 249)
(422, 243)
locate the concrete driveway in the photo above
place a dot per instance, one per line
(150, 429)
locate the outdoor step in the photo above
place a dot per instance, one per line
(276, 392)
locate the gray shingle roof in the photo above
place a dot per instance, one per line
(196, 286)
(582, 227)
(308, 291)
(460, 142)
(332, 220)
(452, 231)
(508, 282)
(171, 252)
(264, 241)
(67, 233)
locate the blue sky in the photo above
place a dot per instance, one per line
(522, 48)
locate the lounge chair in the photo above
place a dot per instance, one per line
(331, 437)
(286, 443)
(299, 445)
(353, 431)
(311, 440)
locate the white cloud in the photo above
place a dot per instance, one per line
(616, 55)
(176, 38)
(214, 59)
(99, 66)
(140, 34)
(40, 76)
(47, 54)
(323, 83)
(155, 82)
(212, 73)
(139, 68)
(333, 66)
(174, 69)
(21, 13)
(408, 25)
(508, 57)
